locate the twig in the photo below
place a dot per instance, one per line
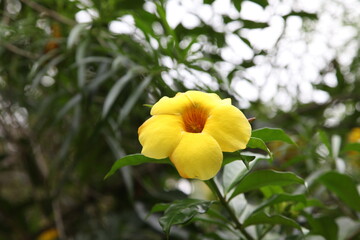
(211, 183)
(251, 119)
(20, 51)
(49, 12)
(58, 220)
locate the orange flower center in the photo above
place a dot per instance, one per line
(194, 119)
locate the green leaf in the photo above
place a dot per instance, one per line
(279, 198)
(272, 134)
(299, 207)
(302, 14)
(133, 160)
(75, 34)
(135, 95)
(148, 105)
(74, 101)
(262, 3)
(252, 25)
(325, 139)
(343, 186)
(263, 218)
(182, 211)
(235, 172)
(263, 178)
(159, 207)
(269, 191)
(351, 147)
(260, 144)
(115, 92)
(324, 226)
(237, 4)
(230, 157)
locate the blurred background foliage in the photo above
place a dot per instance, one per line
(74, 76)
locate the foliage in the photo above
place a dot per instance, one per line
(71, 100)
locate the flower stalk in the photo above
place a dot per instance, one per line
(214, 188)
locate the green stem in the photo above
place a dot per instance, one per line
(211, 183)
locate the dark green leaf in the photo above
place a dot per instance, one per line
(248, 43)
(230, 157)
(252, 25)
(115, 91)
(262, 3)
(235, 172)
(263, 178)
(148, 105)
(325, 139)
(130, 102)
(69, 105)
(159, 207)
(269, 191)
(182, 211)
(272, 134)
(74, 36)
(351, 147)
(309, 203)
(262, 218)
(302, 14)
(133, 160)
(237, 4)
(343, 186)
(324, 226)
(260, 144)
(281, 198)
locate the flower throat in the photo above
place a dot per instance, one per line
(194, 119)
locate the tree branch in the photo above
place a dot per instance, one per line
(49, 12)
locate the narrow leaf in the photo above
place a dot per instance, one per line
(133, 160)
(262, 3)
(263, 178)
(230, 157)
(324, 226)
(263, 218)
(182, 211)
(272, 134)
(343, 186)
(279, 198)
(260, 144)
(326, 140)
(115, 91)
(235, 172)
(69, 105)
(159, 207)
(252, 25)
(130, 102)
(351, 147)
(75, 34)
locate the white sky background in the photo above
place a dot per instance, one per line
(293, 64)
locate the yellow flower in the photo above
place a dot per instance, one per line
(50, 234)
(354, 135)
(354, 156)
(193, 128)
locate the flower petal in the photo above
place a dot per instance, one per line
(227, 101)
(204, 100)
(159, 135)
(181, 101)
(198, 155)
(174, 105)
(230, 128)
